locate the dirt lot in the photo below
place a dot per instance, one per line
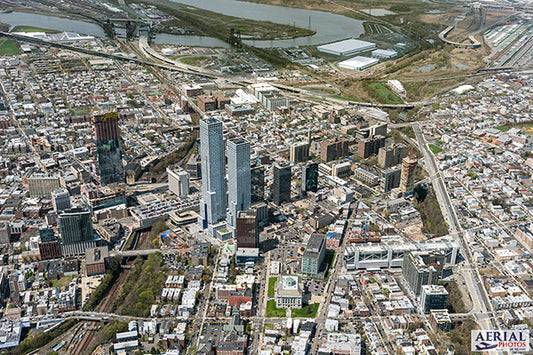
(414, 232)
(490, 272)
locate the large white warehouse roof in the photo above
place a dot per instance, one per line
(346, 47)
(358, 63)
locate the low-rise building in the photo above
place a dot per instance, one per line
(288, 292)
(96, 261)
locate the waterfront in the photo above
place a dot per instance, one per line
(52, 23)
(318, 21)
(329, 27)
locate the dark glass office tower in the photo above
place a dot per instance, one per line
(75, 225)
(258, 182)
(281, 187)
(310, 178)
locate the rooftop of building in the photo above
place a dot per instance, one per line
(315, 245)
(96, 255)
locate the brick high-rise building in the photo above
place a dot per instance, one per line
(299, 152)
(370, 146)
(407, 177)
(96, 261)
(49, 250)
(391, 155)
(49, 244)
(206, 103)
(246, 231)
(334, 149)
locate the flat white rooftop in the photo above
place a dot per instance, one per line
(358, 63)
(384, 53)
(346, 47)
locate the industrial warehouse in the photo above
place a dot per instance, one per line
(346, 47)
(358, 63)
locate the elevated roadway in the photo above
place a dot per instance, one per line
(474, 42)
(148, 51)
(38, 41)
(168, 64)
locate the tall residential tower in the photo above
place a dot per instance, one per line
(239, 179)
(214, 199)
(407, 177)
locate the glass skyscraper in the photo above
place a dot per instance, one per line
(239, 178)
(281, 186)
(214, 200)
(75, 225)
(310, 178)
(108, 151)
(258, 182)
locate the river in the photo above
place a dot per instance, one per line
(329, 27)
(52, 23)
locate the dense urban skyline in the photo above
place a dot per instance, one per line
(222, 177)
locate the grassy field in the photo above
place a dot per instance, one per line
(503, 128)
(308, 311)
(435, 148)
(194, 60)
(79, 112)
(271, 285)
(527, 128)
(33, 29)
(273, 311)
(346, 98)
(8, 47)
(384, 94)
(62, 282)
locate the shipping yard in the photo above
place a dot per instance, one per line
(511, 45)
